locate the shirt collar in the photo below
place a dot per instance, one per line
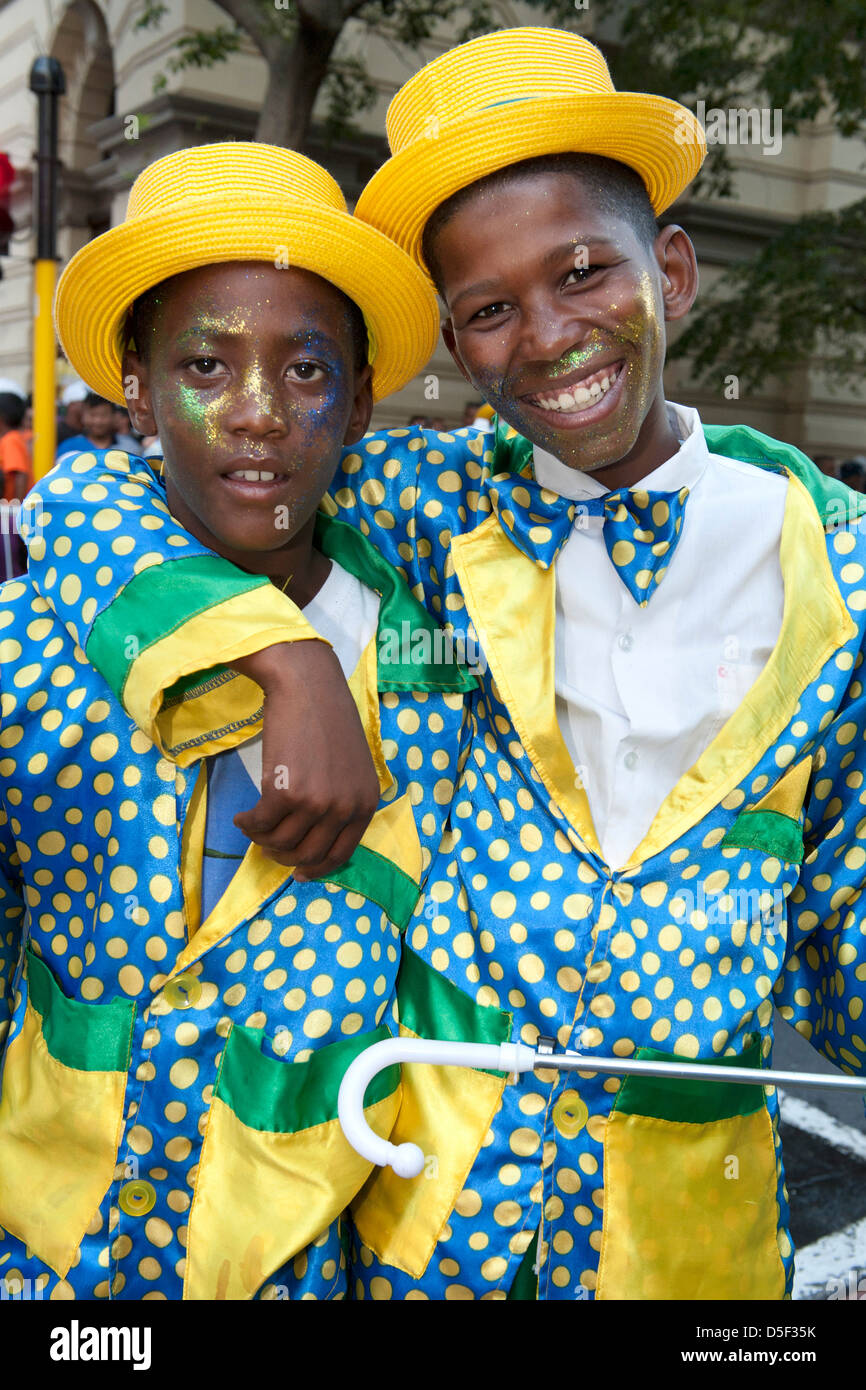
(682, 469)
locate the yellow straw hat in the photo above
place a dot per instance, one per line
(241, 202)
(515, 95)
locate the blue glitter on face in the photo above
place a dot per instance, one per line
(253, 385)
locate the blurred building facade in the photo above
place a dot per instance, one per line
(113, 124)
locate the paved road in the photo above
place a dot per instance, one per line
(824, 1135)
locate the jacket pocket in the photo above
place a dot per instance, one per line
(61, 1115)
(690, 1208)
(445, 1110)
(275, 1169)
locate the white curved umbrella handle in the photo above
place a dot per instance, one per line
(407, 1160)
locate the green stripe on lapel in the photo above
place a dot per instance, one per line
(432, 665)
(277, 1097)
(381, 881)
(835, 502)
(84, 1037)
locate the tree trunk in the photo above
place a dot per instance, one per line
(295, 73)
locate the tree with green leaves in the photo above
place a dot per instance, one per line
(801, 297)
(299, 42)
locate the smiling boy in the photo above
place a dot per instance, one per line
(182, 1006)
(657, 833)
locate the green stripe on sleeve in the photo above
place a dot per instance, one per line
(277, 1097)
(155, 604)
(85, 1037)
(695, 1102)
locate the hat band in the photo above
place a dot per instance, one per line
(509, 101)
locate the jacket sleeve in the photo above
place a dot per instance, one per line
(822, 987)
(155, 611)
(160, 616)
(411, 490)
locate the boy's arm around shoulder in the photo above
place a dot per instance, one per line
(150, 607)
(146, 600)
(410, 490)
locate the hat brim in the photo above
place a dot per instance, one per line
(660, 139)
(104, 278)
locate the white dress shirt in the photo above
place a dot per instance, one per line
(345, 612)
(641, 692)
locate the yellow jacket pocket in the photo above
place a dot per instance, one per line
(275, 1169)
(690, 1206)
(61, 1114)
(445, 1110)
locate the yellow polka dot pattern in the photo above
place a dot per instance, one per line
(91, 822)
(686, 954)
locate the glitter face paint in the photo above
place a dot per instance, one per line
(250, 382)
(547, 292)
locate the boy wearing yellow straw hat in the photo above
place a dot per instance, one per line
(657, 832)
(178, 1007)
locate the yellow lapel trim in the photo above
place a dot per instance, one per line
(191, 851)
(512, 602)
(502, 587)
(815, 623)
(258, 877)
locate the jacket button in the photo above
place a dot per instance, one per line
(183, 991)
(570, 1114)
(137, 1198)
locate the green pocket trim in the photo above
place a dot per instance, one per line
(695, 1102)
(156, 603)
(380, 880)
(772, 832)
(277, 1097)
(433, 1007)
(84, 1037)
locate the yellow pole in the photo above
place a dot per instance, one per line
(48, 84)
(44, 369)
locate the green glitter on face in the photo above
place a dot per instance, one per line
(251, 370)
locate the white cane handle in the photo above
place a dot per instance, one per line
(407, 1160)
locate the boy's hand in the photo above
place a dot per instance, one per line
(319, 785)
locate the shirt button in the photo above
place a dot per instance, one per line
(183, 991)
(570, 1114)
(137, 1198)
(626, 641)
(631, 760)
